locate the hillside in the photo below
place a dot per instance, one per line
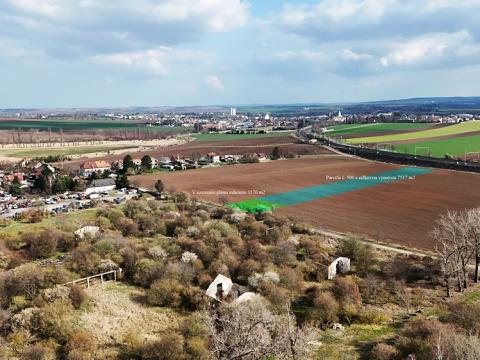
(386, 306)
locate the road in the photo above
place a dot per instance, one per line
(69, 203)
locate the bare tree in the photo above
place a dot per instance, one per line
(473, 220)
(251, 331)
(445, 235)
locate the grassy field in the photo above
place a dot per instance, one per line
(79, 125)
(67, 221)
(457, 129)
(81, 150)
(225, 137)
(356, 129)
(439, 148)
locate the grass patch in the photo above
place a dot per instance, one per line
(40, 152)
(346, 345)
(254, 206)
(62, 221)
(117, 313)
(352, 129)
(224, 137)
(88, 125)
(457, 129)
(439, 148)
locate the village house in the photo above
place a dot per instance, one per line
(97, 166)
(100, 185)
(213, 158)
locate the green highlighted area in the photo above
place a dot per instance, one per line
(343, 185)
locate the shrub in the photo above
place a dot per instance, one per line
(346, 290)
(146, 271)
(77, 296)
(383, 352)
(4, 261)
(169, 347)
(165, 292)
(52, 321)
(325, 308)
(80, 345)
(34, 352)
(105, 247)
(41, 245)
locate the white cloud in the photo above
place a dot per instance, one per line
(214, 82)
(154, 61)
(86, 27)
(432, 49)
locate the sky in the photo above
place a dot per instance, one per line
(106, 53)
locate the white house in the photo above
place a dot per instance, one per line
(90, 167)
(213, 158)
(100, 185)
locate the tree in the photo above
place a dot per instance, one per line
(251, 331)
(159, 186)
(122, 181)
(447, 236)
(128, 163)
(15, 188)
(147, 162)
(41, 183)
(276, 154)
(473, 221)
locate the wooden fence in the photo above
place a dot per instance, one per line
(90, 280)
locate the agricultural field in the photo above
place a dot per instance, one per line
(451, 130)
(80, 125)
(452, 140)
(70, 151)
(286, 143)
(465, 146)
(227, 137)
(355, 130)
(401, 210)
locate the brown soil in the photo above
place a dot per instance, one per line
(403, 212)
(236, 147)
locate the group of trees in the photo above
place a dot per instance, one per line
(457, 242)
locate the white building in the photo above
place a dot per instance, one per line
(101, 185)
(89, 167)
(233, 112)
(341, 265)
(92, 231)
(220, 287)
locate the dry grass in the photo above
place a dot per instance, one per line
(115, 314)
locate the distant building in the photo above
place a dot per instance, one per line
(101, 185)
(213, 157)
(90, 167)
(339, 117)
(233, 112)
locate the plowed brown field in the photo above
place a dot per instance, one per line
(234, 147)
(402, 212)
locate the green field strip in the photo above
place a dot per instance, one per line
(352, 129)
(463, 128)
(254, 206)
(457, 146)
(76, 125)
(317, 192)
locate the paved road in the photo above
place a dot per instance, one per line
(67, 202)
